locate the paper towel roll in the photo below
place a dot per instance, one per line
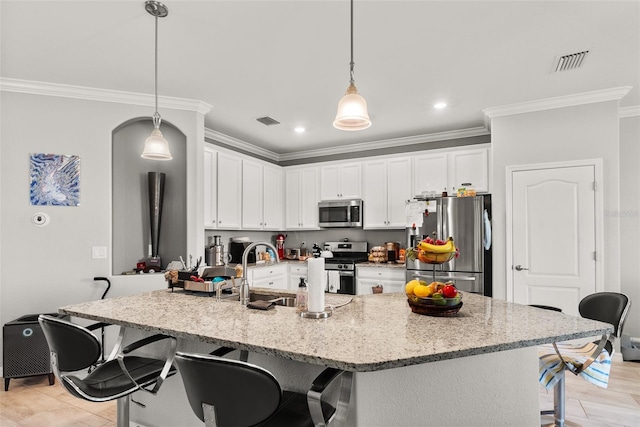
(317, 280)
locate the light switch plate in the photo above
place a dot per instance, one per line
(98, 252)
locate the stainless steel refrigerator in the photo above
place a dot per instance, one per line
(468, 221)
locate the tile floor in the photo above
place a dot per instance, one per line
(31, 402)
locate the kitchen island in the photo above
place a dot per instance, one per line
(477, 368)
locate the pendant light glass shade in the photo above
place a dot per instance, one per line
(155, 146)
(352, 111)
(352, 108)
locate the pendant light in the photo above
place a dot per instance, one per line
(352, 108)
(155, 146)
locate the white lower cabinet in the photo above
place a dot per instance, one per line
(392, 279)
(296, 271)
(271, 276)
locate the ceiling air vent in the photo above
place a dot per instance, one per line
(268, 121)
(571, 61)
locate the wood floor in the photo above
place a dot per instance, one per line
(32, 402)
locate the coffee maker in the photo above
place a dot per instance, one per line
(236, 249)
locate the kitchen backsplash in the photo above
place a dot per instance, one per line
(295, 238)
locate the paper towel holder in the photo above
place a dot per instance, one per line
(317, 315)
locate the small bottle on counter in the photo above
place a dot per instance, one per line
(301, 296)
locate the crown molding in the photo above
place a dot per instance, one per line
(386, 143)
(103, 95)
(558, 102)
(242, 145)
(365, 146)
(632, 111)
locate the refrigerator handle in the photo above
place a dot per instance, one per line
(487, 230)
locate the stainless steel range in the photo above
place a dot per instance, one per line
(341, 270)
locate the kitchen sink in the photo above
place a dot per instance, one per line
(276, 299)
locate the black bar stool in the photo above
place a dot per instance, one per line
(556, 358)
(224, 392)
(74, 348)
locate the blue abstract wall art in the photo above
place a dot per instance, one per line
(55, 180)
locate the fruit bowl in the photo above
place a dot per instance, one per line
(441, 307)
(439, 300)
(435, 258)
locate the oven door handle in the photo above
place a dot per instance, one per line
(346, 273)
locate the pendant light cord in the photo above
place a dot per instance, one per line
(156, 115)
(351, 64)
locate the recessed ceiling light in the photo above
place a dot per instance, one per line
(439, 105)
(299, 129)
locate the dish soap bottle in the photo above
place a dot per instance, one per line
(301, 296)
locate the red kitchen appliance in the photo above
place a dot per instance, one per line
(280, 238)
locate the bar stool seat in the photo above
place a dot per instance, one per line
(225, 392)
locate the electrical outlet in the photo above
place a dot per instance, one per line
(98, 252)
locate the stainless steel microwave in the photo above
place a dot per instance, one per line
(340, 213)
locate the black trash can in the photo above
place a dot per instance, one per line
(25, 349)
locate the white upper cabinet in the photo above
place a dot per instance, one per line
(399, 190)
(386, 188)
(210, 188)
(469, 167)
(229, 191)
(252, 192)
(262, 188)
(301, 194)
(341, 181)
(273, 198)
(430, 173)
(449, 170)
(222, 179)
(242, 192)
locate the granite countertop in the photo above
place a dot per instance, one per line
(381, 265)
(373, 332)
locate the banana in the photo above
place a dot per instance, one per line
(438, 249)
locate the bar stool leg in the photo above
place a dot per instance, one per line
(122, 415)
(558, 403)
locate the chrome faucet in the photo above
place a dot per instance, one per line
(244, 284)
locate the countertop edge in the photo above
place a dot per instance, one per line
(353, 367)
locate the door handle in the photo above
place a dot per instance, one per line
(520, 268)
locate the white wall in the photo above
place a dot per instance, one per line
(580, 132)
(630, 219)
(43, 268)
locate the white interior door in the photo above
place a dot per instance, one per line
(553, 236)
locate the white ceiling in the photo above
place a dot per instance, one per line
(290, 59)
